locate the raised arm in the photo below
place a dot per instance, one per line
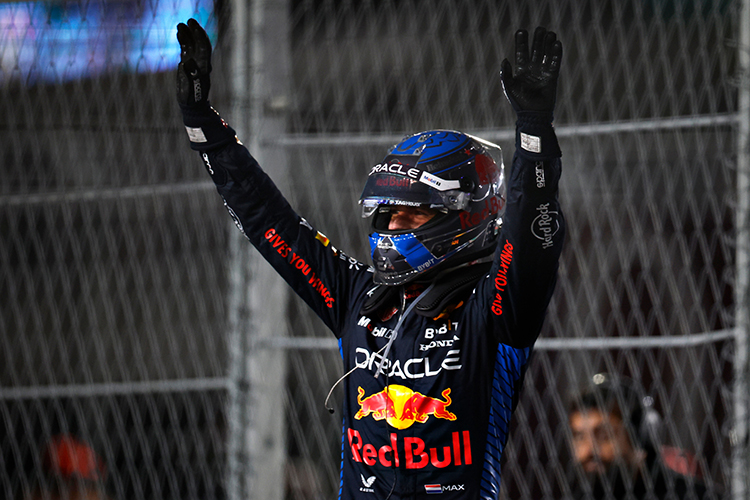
(323, 276)
(526, 261)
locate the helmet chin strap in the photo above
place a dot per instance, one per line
(398, 327)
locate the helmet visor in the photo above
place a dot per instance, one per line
(396, 181)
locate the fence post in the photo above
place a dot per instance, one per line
(259, 72)
(740, 459)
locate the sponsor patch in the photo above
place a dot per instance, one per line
(545, 225)
(296, 261)
(236, 219)
(439, 488)
(207, 163)
(539, 171)
(433, 488)
(367, 484)
(322, 238)
(401, 165)
(196, 134)
(438, 183)
(411, 452)
(408, 369)
(501, 279)
(531, 143)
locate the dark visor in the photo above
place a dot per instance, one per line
(396, 181)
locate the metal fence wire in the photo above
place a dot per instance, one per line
(136, 319)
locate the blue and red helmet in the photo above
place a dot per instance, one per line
(459, 175)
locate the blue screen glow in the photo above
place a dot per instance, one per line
(63, 41)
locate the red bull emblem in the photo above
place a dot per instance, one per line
(401, 407)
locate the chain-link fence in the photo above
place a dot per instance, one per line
(134, 317)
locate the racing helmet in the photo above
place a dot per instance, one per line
(460, 176)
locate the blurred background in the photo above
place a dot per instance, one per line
(134, 316)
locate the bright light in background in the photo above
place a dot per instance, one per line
(58, 42)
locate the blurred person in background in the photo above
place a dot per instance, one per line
(616, 444)
(72, 470)
(428, 396)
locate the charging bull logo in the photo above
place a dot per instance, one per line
(401, 407)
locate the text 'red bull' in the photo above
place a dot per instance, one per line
(414, 451)
(491, 206)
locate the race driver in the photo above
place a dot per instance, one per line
(435, 336)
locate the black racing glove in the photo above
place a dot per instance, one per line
(534, 86)
(204, 126)
(532, 91)
(194, 70)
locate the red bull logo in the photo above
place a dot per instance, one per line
(411, 452)
(401, 406)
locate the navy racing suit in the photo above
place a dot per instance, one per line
(436, 419)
